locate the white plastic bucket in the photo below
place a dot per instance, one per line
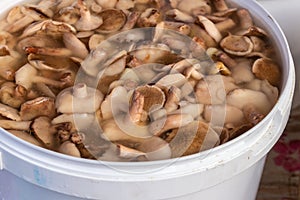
(230, 171)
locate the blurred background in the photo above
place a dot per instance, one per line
(281, 176)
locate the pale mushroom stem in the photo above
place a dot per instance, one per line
(80, 90)
(40, 79)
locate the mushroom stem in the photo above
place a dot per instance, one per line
(87, 21)
(211, 28)
(80, 90)
(244, 18)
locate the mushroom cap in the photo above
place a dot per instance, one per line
(113, 20)
(193, 138)
(24, 76)
(45, 133)
(41, 106)
(243, 97)
(9, 112)
(154, 97)
(237, 45)
(264, 68)
(78, 99)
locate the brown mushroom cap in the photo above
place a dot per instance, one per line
(45, 132)
(154, 97)
(9, 112)
(41, 106)
(113, 20)
(237, 45)
(193, 138)
(264, 68)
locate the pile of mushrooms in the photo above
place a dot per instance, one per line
(204, 76)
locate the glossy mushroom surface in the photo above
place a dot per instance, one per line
(134, 80)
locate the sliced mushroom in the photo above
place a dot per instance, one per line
(95, 40)
(171, 80)
(237, 45)
(39, 40)
(149, 18)
(12, 95)
(114, 103)
(56, 28)
(113, 20)
(44, 7)
(211, 28)
(193, 138)
(78, 99)
(180, 16)
(197, 31)
(87, 21)
(175, 26)
(14, 15)
(28, 75)
(132, 19)
(50, 63)
(266, 69)
(68, 14)
(75, 45)
(137, 114)
(41, 106)
(9, 112)
(173, 98)
(30, 16)
(10, 61)
(45, 132)
(195, 7)
(154, 97)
